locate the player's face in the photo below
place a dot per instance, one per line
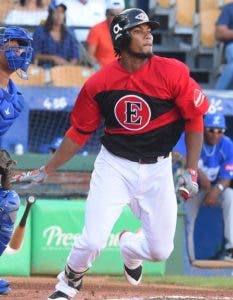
(213, 135)
(141, 39)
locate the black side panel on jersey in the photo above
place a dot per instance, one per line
(145, 146)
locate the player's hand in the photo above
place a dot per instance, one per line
(36, 176)
(187, 184)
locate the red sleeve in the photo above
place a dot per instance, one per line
(190, 99)
(77, 137)
(85, 117)
(194, 125)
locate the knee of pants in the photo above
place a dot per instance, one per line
(227, 196)
(161, 252)
(95, 246)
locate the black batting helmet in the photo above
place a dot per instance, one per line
(126, 20)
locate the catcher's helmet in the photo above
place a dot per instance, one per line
(18, 58)
(126, 20)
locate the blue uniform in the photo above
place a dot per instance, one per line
(216, 161)
(9, 205)
(11, 105)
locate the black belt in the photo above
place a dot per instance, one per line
(151, 160)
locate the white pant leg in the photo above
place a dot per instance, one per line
(226, 201)
(113, 181)
(192, 207)
(156, 206)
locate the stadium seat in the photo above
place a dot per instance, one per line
(165, 3)
(70, 75)
(208, 4)
(185, 12)
(6, 5)
(37, 76)
(208, 19)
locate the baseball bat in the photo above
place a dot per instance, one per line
(19, 232)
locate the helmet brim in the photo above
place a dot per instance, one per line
(153, 24)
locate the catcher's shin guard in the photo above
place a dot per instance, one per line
(73, 278)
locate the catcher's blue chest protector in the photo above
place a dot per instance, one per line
(11, 105)
(9, 205)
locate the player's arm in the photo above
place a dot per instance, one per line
(64, 153)
(193, 141)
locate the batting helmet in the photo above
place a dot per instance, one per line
(17, 57)
(126, 20)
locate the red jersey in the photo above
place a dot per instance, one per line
(144, 111)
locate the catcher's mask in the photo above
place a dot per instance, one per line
(126, 20)
(18, 57)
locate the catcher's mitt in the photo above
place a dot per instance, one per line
(7, 166)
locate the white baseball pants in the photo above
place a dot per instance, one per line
(116, 182)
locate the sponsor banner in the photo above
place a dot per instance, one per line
(220, 101)
(56, 223)
(18, 264)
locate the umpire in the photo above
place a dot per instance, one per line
(147, 102)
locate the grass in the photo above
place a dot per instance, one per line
(192, 281)
(205, 282)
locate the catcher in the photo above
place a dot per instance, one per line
(9, 205)
(15, 56)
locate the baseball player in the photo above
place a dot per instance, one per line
(15, 56)
(147, 102)
(215, 170)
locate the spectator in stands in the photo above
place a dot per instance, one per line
(29, 12)
(224, 33)
(54, 44)
(84, 14)
(215, 172)
(99, 42)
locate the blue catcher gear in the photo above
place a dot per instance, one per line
(4, 287)
(9, 205)
(18, 57)
(11, 105)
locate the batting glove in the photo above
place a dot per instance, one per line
(187, 184)
(35, 176)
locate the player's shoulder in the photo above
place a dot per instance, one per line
(100, 77)
(167, 63)
(226, 142)
(169, 68)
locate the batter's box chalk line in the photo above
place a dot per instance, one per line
(174, 298)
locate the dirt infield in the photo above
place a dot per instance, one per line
(105, 287)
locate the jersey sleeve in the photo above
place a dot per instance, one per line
(85, 117)
(226, 169)
(189, 97)
(10, 109)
